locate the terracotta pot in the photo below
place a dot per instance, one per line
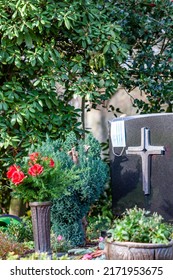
(40, 212)
(138, 251)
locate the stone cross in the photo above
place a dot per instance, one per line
(145, 151)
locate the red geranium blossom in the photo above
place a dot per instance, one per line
(35, 169)
(52, 163)
(17, 177)
(11, 170)
(33, 176)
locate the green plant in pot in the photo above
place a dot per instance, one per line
(38, 179)
(138, 234)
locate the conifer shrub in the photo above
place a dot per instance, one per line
(84, 156)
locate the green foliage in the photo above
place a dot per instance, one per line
(67, 214)
(50, 181)
(68, 210)
(49, 52)
(138, 225)
(147, 29)
(4, 197)
(47, 42)
(96, 224)
(36, 256)
(21, 232)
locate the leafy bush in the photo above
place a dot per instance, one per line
(147, 30)
(97, 224)
(49, 52)
(138, 225)
(21, 232)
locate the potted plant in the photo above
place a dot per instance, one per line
(139, 235)
(38, 179)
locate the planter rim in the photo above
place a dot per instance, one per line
(140, 245)
(36, 203)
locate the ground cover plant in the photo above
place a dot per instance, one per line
(19, 246)
(20, 232)
(7, 245)
(139, 225)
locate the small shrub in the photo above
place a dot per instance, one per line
(96, 225)
(21, 232)
(7, 246)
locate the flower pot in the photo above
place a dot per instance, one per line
(138, 251)
(40, 212)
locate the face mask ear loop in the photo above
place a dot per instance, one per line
(118, 155)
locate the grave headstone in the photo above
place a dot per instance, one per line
(141, 161)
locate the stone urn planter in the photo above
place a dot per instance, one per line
(40, 212)
(138, 251)
(139, 235)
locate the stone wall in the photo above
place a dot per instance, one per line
(96, 121)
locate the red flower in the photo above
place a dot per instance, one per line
(18, 177)
(152, 5)
(35, 170)
(52, 163)
(11, 170)
(34, 156)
